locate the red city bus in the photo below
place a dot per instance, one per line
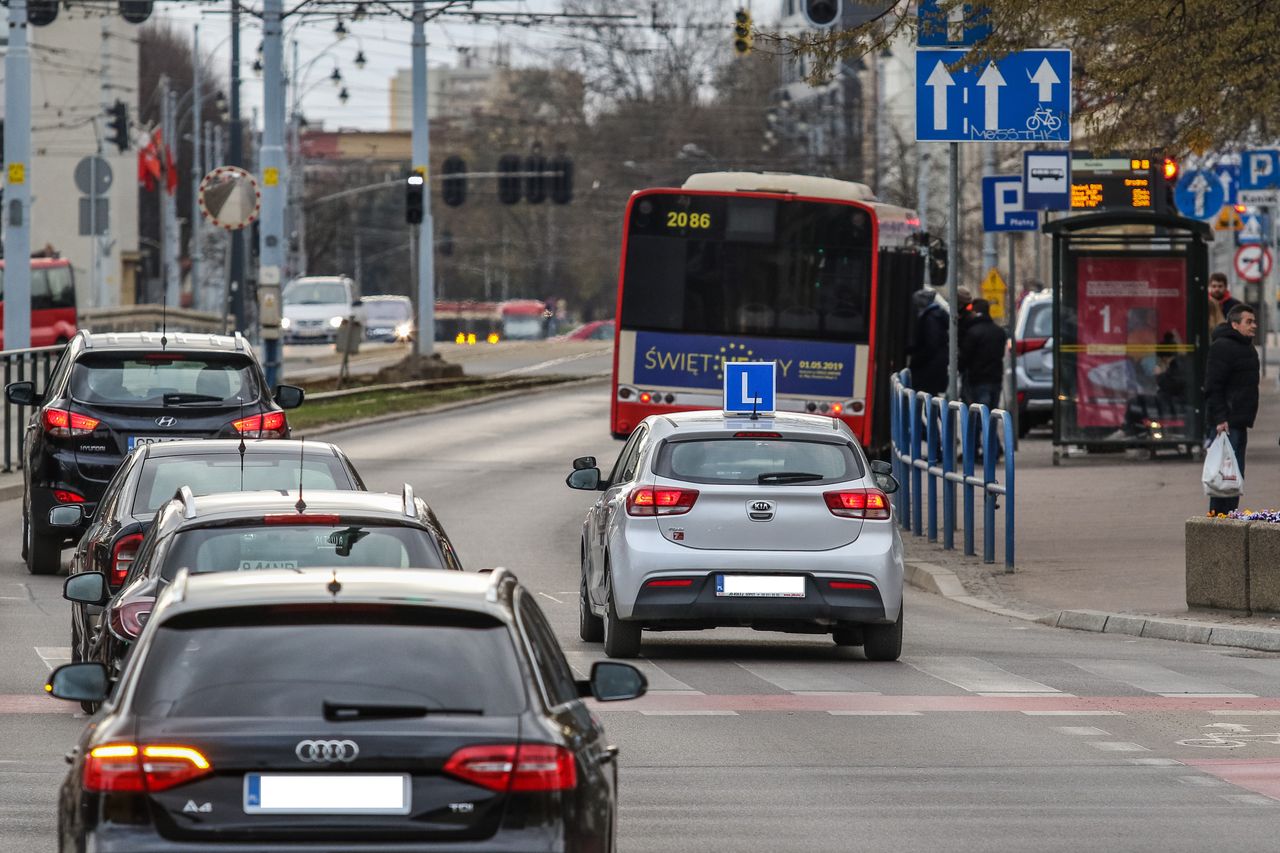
(811, 273)
(524, 319)
(53, 302)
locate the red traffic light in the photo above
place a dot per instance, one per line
(1170, 168)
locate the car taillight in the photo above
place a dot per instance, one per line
(66, 496)
(268, 425)
(300, 518)
(669, 582)
(507, 767)
(659, 501)
(129, 618)
(123, 767)
(1030, 344)
(122, 556)
(850, 585)
(65, 424)
(858, 503)
(757, 435)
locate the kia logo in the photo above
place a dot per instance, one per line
(762, 506)
(760, 510)
(166, 421)
(326, 751)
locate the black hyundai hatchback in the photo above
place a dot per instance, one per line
(353, 709)
(110, 392)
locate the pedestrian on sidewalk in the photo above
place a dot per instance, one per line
(1220, 300)
(1231, 387)
(982, 346)
(928, 352)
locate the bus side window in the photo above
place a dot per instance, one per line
(40, 298)
(62, 287)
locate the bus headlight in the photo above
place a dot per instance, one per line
(335, 322)
(404, 330)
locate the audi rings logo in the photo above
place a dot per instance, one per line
(166, 421)
(326, 751)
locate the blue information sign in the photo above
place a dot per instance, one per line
(1199, 194)
(1260, 169)
(1022, 97)
(937, 31)
(1002, 208)
(1046, 180)
(1255, 228)
(749, 387)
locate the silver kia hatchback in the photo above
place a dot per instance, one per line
(778, 523)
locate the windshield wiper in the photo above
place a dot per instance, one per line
(341, 711)
(179, 398)
(788, 477)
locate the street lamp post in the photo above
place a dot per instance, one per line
(274, 180)
(424, 340)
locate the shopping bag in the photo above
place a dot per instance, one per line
(1221, 475)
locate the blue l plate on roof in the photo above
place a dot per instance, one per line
(750, 387)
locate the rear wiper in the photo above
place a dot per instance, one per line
(178, 398)
(342, 711)
(788, 477)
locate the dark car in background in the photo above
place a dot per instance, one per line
(153, 474)
(1033, 361)
(388, 318)
(108, 394)
(354, 709)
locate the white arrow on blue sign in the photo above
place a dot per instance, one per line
(1199, 194)
(1023, 97)
(1256, 228)
(749, 387)
(1002, 205)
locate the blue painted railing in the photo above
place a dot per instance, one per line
(924, 430)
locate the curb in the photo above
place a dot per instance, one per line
(329, 429)
(946, 583)
(13, 491)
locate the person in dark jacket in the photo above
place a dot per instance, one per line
(1231, 387)
(1220, 300)
(982, 347)
(928, 353)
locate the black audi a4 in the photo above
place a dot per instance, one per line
(350, 709)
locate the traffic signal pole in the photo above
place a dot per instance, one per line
(424, 339)
(273, 182)
(17, 194)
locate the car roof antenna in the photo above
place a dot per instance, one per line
(301, 505)
(242, 447)
(164, 318)
(755, 416)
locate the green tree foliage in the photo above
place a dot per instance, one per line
(1188, 75)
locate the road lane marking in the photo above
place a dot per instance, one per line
(660, 681)
(1156, 762)
(54, 656)
(552, 597)
(875, 713)
(1248, 799)
(1152, 678)
(979, 676)
(1228, 712)
(1082, 713)
(1081, 731)
(1117, 746)
(554, 362)
(1200, 781)
(693, 713)
(809, 678)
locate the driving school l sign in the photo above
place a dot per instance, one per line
(1253, 262)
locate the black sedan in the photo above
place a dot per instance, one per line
(349, 710)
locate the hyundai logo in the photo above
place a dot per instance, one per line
(326, 751)
(166, 421)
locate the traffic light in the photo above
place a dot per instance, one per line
(41, 13)
(742, 37)
(453, 186)
(136, 11)
(561, 179)
(509, 178)
(821, 13)
(118, 123)
(414, 209)
(535, 185)
(1169, 179)
(1170, 170)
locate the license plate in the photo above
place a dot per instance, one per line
(135, 440)
(760, 586)
(326, 793)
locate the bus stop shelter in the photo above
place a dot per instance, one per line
(1130, 331)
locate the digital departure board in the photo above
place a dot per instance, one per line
(1114, 183)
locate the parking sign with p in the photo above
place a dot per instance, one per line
(1002, 208)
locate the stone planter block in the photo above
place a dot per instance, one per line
(1264, 567)
(1217, 563)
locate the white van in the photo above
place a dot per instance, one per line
(315, 306)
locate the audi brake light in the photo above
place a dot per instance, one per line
(871, 504)
(509, 767)
(268, 425)
(62, 423)
(122, 556)
(126, 768)
(660, 501)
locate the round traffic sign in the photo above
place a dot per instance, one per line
(1199, 194)
(1253, 262)
(93, 175)
(229, 198)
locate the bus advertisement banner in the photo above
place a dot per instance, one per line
(808, 368)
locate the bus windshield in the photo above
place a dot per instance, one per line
(748, 266)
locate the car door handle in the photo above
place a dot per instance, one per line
(608, 754)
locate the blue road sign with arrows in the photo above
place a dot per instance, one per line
(1199, 194)
(1023, 97)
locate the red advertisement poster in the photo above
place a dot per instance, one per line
(1132, 312)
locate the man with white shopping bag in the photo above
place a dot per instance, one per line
(1231, 394)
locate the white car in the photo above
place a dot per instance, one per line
(315, 306)
(778, 523)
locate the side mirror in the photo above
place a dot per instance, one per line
(614, 682)
(289, 396)
(887, 483)
(879, 466)
(66, 515)
(21, 393)
(584, 462)
(78, 682)
(86, 588)
(587, 479)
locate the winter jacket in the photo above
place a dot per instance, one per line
(982, 351)
(1231, 379)
(928, 352)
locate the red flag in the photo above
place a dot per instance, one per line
(149, 166)
(170, 172)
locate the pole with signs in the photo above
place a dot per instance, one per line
(424, 339)
(953, 283)
(273, 180)
(1010, 353)
(17, 193)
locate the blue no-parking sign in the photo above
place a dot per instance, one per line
(749, 387)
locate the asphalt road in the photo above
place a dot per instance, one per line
(989, 735)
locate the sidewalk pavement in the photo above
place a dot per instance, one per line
(1104, 534)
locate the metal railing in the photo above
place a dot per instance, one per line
(925, 443)
(34, 364)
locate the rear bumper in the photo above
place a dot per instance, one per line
(131, 841)
(698, 606)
